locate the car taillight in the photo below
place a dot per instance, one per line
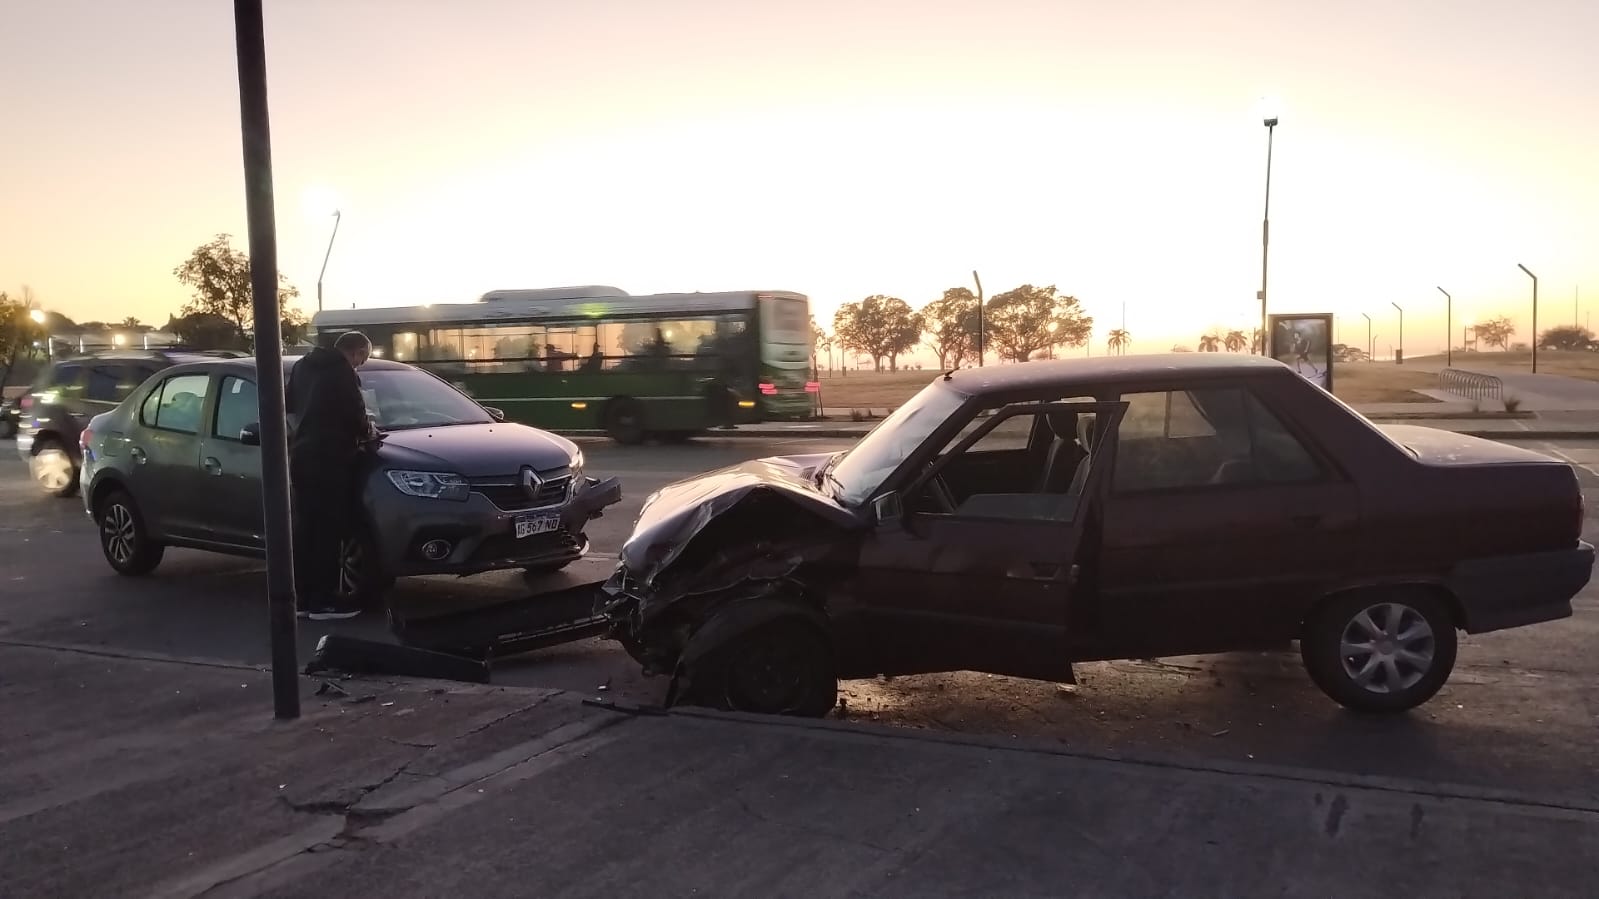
(84, 437)
(25, 403)
(768, 389)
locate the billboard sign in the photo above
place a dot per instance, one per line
(1303, 342)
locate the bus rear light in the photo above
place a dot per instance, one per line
(813, 386)
(768, 389)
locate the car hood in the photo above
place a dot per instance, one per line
(674, 514)
(475, 451)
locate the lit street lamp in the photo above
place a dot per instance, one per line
(1265, 226)
(337, 216)
(1534, 316)
(1399, 353)
(1449, 328)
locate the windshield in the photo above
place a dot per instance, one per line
(863, 469)
(400, 399)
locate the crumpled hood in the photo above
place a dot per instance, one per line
(674, 514)
(475, 451)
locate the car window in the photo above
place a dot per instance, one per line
(1044, 484)
(64, 381)
(1205, 438)
(236, 408)
(104, 384)
(176, 404)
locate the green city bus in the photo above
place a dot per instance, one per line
(666, 366)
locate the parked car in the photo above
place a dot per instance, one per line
(450, 488)
(8, 418)
(1015, 520)
(65, 395)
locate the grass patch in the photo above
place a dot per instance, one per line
(1373, 382)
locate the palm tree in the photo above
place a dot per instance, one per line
(1119, 338)
(131, 324)
(1235, 341)
(1210, 343)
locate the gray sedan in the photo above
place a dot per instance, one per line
(450, 487)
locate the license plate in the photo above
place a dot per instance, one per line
(536, 524)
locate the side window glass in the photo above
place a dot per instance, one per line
(180, 402)
(1028, 467)
(103, 384)
(1205, 438)
(236, 408)
(67, 381)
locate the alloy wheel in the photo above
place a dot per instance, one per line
(52, 468)
(119, 532)
(1387, 647)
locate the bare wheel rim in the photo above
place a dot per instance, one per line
(118, 530)
(351, 559)
(1387, 648)
(52, 469)
(771, 677)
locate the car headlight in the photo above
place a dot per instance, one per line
(430, 484)
(577, 466)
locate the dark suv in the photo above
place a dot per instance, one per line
(69, 392)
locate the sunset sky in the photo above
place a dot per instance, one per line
(838, 149)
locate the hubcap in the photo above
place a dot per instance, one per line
(119, 533)
(52, 469)
(1387, 647)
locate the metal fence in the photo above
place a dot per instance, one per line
(1472, 385)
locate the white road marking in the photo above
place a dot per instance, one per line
(1551, 450)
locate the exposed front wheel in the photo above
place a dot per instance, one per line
(1380, 652)
(784, 667)
(54, 470)
(123, 538)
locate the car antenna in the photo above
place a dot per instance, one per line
(948, 373)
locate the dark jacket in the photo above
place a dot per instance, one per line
(328, 414)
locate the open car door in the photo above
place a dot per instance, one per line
(954, 579)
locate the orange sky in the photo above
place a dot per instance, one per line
(837, 149)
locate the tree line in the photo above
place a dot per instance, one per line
(1016, 325)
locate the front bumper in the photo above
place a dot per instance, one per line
(482, 537)
(1512, 591)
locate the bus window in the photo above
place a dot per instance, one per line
(406, 346)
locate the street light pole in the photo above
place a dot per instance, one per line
(1399, 355)
(1449, 328)
(1534, 316)
(1265, 231)
(979, 282)
(255, 128)
(337, 215)
(1370, 348)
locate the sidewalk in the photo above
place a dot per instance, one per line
(128, 777)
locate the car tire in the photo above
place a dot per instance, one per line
(624, 421)
(783, 667)
(54, 469)
(124, 539)
(363, 583)
(1381, 652)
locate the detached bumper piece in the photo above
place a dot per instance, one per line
(462, 645)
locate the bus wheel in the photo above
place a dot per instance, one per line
(624, 421)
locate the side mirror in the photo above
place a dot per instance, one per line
(250, 435)
(496, 414)
(886, 509)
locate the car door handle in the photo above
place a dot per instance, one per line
(137, 454)
(212, 466)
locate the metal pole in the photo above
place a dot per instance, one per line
(1399, 356)
(1449, 328)
(1534, 316)
(1371, 348)
(257, 134)
(979, 282)
(1265, 234)
(337, 215)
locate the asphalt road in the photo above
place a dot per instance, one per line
(1518, 713)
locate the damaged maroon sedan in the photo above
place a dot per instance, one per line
(1015, 520)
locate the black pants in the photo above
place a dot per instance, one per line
(322, 496)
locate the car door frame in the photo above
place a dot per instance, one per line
(231, 470)
(897, 619)
(168, 494)
(1186, 615)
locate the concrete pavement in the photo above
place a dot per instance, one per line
(162, 778)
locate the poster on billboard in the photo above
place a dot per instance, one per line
(1303, 342)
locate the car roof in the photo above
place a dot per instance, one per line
(1105, 370)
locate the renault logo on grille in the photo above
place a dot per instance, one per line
(531, 482)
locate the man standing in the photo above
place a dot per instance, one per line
(329, 426)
